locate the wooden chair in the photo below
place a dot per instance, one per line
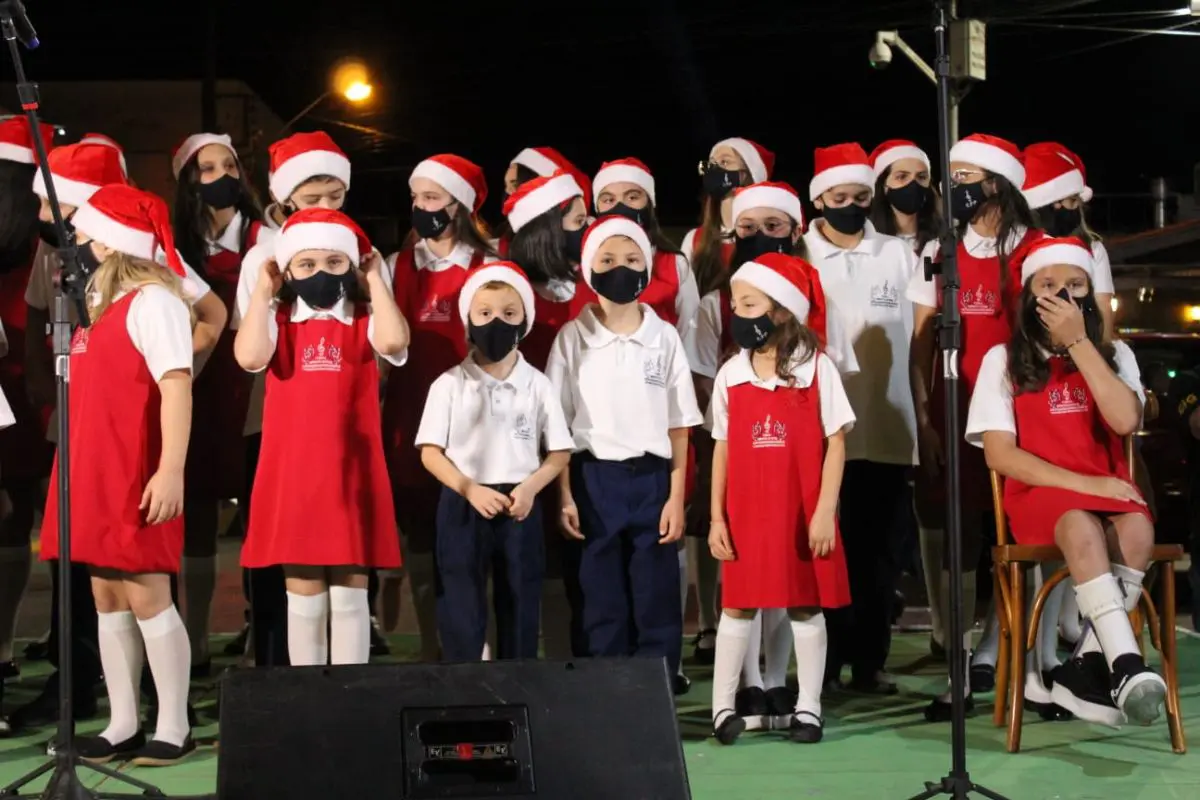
(1011, 563)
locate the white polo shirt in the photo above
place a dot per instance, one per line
(623, 393)
(342, 311)
(866, 288)
(836, 413)
(992, 401)
(494, 429)
(1102, 280)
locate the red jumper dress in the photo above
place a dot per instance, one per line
(321, 492)
(776, 448)
(24, 452)
(116, 441)
(1062, 425)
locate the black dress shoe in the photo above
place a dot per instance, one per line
(940, 710)
(98, 750)
(806, 728)
(731, 727)
(157, 753)
(983, 678)
(680, 684)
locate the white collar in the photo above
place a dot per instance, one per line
(342, 311)
(231, 238)
(821, 247)
(424, 258)
(985, 246)
(595, 334)
(741, 370)
(556, 290)
(520, 378)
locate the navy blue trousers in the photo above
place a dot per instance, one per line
(470, 549)
(630, 581)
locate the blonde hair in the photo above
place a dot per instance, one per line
(120, 273)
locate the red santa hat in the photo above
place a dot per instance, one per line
(840, 164)
(100, 138)
(1049, 251)
(760, 162)
(303, 156)
(131, 221)
(894, 150)
(1051, 174)
(792, 283)
(545, 161)
(536, 197)
(1086, 194)
(778, 196)
(79, 170)
(17, 145)
(194, 144)
(505, 272)
(624, 170)
(996, 155)
(461, 178)
(606, 228)
(320, 229)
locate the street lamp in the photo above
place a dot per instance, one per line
(349, 81)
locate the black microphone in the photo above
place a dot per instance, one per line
(15, 10)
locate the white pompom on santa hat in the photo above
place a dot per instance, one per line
(1049, 252)
(838, 165)
(131, 221)
(505, 272)
(79, 170)
(302, 157)
(606, 228)
(782, 278)
(194, 144)
(461, 178)
(107, 141)
(894, 150)
(1051, 175)
(760, 162)
(320, 229)
(777, 196)
(997, 156)
(17, 145)
(624, 170)
(536, 197)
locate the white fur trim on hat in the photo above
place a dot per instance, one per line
(497, 272)
(315, 236)
(73, 193)
(776, 287)
(446, 178)
(856, 174)
(1086, 195)
(197, 142)
(601, 232)
(107, 231)
(991, 158)
(298, 170)
(15, 152)
(554, 192)
(1066, 185)
(767, 197)
(1052, 254)
(622, 173)
(749, 154)
(532, 159)
(899, 153)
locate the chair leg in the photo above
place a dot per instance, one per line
(1003, 614)
(1016, 672)
(1169, 654)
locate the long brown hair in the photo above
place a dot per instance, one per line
(1028, 367)
(883, 216)
(706, 257)
(795, 344)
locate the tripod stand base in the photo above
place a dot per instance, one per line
(958, 787)
(65, 783)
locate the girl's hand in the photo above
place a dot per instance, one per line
(719, 542)
(488, 502)
(1063, 319)
(1113, 489)
(671, 523)
(162, 500)
(820, 534)
(569, 521)
(369, 264)
(270, 279)
(521, 502)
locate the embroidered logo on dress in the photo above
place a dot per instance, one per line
(654, 371)
(885, 296)
(436, 309)
(978, 301)
(1065, 400)
(768, 434)
(522, 428)
(321, 358)
(79, 341)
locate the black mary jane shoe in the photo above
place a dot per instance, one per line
(940, 710)
(983, 678)
(704, 647)
(806, 728)
(157, 753)
(98, 750)
(680, 684)
(731, 726)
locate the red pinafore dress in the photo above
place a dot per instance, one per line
(321, 492)
(1062, 425)
(116, 441)
(776, 453)
(216, 465)
(548, 318)
(24, 452)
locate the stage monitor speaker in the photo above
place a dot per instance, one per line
(576, 730)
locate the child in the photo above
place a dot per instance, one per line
(322, 502)
(130, 416)
(627, 392)
(480, 435)
(1050, 411)
(777, 471)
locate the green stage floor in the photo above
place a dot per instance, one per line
(874, 749)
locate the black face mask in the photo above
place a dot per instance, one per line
(751, 333)
(621, 285)
(910, 198)
(430, 224)
(637, 215)
(573, 244)
(847, 219)
(495, 339)
(322, 289)
(748, 248)
(720, 182)
(1060, 221)
(222, 193)
(966, 199)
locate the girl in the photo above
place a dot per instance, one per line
(1050, 411)
(447, 193)
(216, 220)
(487, 456)
(995, 229)
(779, 420)
(628, 396)
(316, 331)
(131, 381)
(539, 162)
(307, 170)
(905, 204)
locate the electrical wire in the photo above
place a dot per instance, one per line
(1171, 31)
(1123, 40)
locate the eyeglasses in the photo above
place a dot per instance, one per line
(961, 175)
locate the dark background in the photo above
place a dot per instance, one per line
(659, 79)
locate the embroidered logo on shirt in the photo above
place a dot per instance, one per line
(978, 301)
(768, 434)
(522, 428)
(436, 309)
(885, 296)
(79, 341)
(1065, 400)
(321, 358)
(654, 371)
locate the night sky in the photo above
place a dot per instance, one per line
(661, 79)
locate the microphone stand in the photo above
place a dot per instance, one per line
(957, 784)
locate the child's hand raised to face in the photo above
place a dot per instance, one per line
(487, 502)
(270, 279)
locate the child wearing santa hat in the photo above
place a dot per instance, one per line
(130, 417)
(779, 417)
(538, 162)
(317, 332)
(905, 204)
(1051, 410)
(627, 392)
(486, 423)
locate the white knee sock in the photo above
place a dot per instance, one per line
(1048, 628)
(733, 638)
(121, 656)
(707, 573)
(308, 620)
(777, 646)
(170, 658)
(1130, 583)
(752, 676)
(1103, 604)
(812, 644)
(199, 583)
(349, 626)
(14, 577)
(932, 540)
